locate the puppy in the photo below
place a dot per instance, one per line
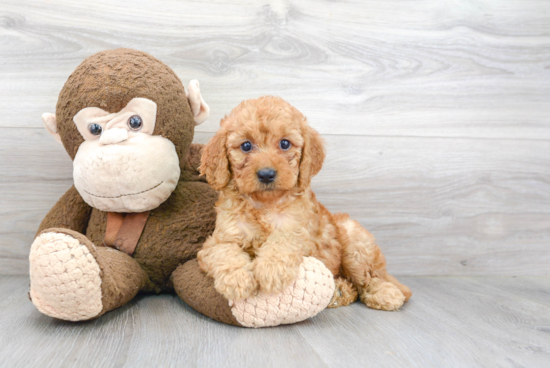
(262, 160)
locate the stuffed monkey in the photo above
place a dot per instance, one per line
(139, 211)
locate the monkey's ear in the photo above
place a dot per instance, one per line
(214, 162)
(199, 108)
(50, 122)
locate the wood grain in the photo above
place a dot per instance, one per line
(456, 322)
(450, 321)
(436, 113)
(437, 206)
(439, 68)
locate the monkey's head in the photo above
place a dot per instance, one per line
(127, 122)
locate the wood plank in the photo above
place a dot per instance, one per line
(436, 206)
(391, 73)
(450, 321)
(457, 322)
(533, 288)
(354, 67)
(149, 331)
(445, 206)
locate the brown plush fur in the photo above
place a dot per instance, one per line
(264, 230)
(110, 79)
(173, 234)
(178, 227)
(197, 290)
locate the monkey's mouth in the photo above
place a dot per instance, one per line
(125, 195)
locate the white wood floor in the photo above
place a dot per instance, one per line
(449, 322)
(436, 115)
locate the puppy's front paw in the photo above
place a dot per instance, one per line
(237, 284)
(273, 275)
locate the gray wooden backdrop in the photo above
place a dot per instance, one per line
(436, 113)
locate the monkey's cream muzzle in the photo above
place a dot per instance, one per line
(121, 166)
(114, 135)
(116, 168)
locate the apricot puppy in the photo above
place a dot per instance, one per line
(262, 160)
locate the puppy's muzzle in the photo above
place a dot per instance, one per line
(266, 176)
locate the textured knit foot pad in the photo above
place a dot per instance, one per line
(307, 296)
(65, 278)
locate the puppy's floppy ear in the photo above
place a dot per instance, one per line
(313, 155)
(214, 162)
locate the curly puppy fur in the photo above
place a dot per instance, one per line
(264, 229)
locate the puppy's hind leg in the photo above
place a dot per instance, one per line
(403, 288)
(364, 264)
(345, 293)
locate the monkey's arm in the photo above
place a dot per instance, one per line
(70, 212)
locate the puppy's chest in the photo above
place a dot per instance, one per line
(256, 226)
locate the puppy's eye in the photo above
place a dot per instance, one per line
(95, 129)
(135, 123)
(284, 144)
(246, 146)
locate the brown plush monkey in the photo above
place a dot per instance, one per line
(138, 211)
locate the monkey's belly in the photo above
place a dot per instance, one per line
(173, 234)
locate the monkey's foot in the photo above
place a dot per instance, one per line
(309, 294)
(65, 277)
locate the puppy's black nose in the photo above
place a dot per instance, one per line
(266, 176)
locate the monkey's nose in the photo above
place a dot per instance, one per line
(113, 135)
(266, 176)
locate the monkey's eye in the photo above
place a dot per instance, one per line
(135, 123)
(246, 146)
(95, 129)
(284, 144)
